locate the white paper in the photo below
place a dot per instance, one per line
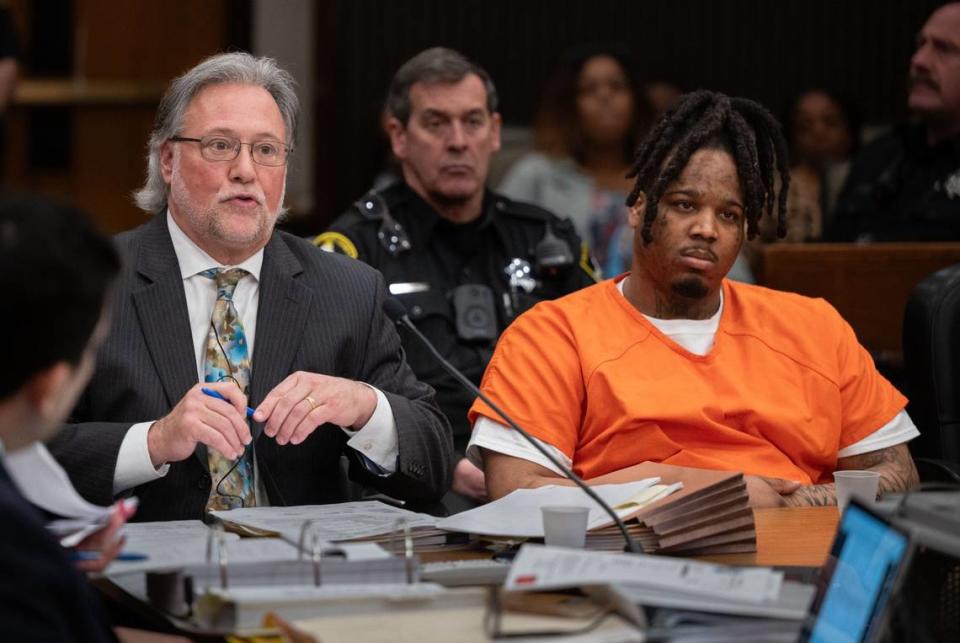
(793, 601)
(167, 545)
(539, 568)
(337, 522)
(45, 484)
(518, 515)
(179, 543)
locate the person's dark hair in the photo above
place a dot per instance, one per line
(556, 127)
(710, 120)
(847, 107)
(55, 272)
(438, 65)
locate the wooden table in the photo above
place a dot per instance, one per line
(789, 536)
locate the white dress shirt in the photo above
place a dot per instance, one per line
(696, 336)
(376, 440)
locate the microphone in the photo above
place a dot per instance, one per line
(398, 314)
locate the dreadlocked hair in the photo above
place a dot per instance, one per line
(705, 119)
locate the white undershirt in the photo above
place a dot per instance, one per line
(376, 440)
(696, 336)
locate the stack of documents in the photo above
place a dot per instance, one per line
(361, 521)
(631, 581)
(518, 515)
(710, 515)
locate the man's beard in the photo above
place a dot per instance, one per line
(690, 287)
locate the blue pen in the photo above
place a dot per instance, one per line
(78, 555)
(212, 393)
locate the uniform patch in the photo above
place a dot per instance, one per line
(337, 243)
(587, 263)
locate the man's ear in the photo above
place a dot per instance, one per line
(637, 211)
(398, 137)
(166, 161)
(495, 126)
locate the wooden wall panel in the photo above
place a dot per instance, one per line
(123, 55)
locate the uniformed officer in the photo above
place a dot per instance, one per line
(464, 261)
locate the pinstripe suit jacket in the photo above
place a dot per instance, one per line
(319, 312)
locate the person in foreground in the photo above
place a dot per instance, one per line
(55, 273)
(212, 297)
(686, 367)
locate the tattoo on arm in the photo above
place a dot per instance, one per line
(897, 471)
(896, 468)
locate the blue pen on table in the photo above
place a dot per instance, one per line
(219, 396)
(78, 555)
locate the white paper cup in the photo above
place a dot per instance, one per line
(862, 484)
(565, 526)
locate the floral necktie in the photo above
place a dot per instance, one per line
(228, 359)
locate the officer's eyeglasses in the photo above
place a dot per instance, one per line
(226, 148)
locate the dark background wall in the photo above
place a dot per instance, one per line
(768, 50)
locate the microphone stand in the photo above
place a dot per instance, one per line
(396, 312)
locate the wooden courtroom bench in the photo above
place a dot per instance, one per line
(868, 283)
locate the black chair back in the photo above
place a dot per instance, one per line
(931, 354)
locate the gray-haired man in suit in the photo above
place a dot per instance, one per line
(214, 301)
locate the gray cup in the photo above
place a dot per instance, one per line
(862, 484)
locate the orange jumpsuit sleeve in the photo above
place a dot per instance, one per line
(535, 377)
(868, 400)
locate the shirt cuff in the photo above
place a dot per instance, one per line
(134, 466)
(377, 440)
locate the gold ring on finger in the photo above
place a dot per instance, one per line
(312, 402)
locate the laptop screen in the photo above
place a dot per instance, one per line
(868, 554)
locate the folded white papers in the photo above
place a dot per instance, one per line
(45, 484)
(337, 522)
(517, 515)
(541, 568)
(176, 544)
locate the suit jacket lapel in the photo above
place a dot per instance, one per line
(162, 310)
(281, 317)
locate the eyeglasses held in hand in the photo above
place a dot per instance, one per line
(226, 148)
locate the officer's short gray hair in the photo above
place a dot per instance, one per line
(238, 67)
(438, 65)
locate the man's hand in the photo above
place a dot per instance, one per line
(107, 541)
(304, 401)
(769, 492)
(469, 481)
(199, 418)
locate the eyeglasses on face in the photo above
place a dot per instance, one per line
(226, 148)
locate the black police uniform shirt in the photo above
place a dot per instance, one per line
(426, 262)
(901, 189)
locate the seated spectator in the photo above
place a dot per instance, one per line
(906, 186)
(590, 121)
(822, 131)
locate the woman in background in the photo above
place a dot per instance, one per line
(823, 135)
(588, 126)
